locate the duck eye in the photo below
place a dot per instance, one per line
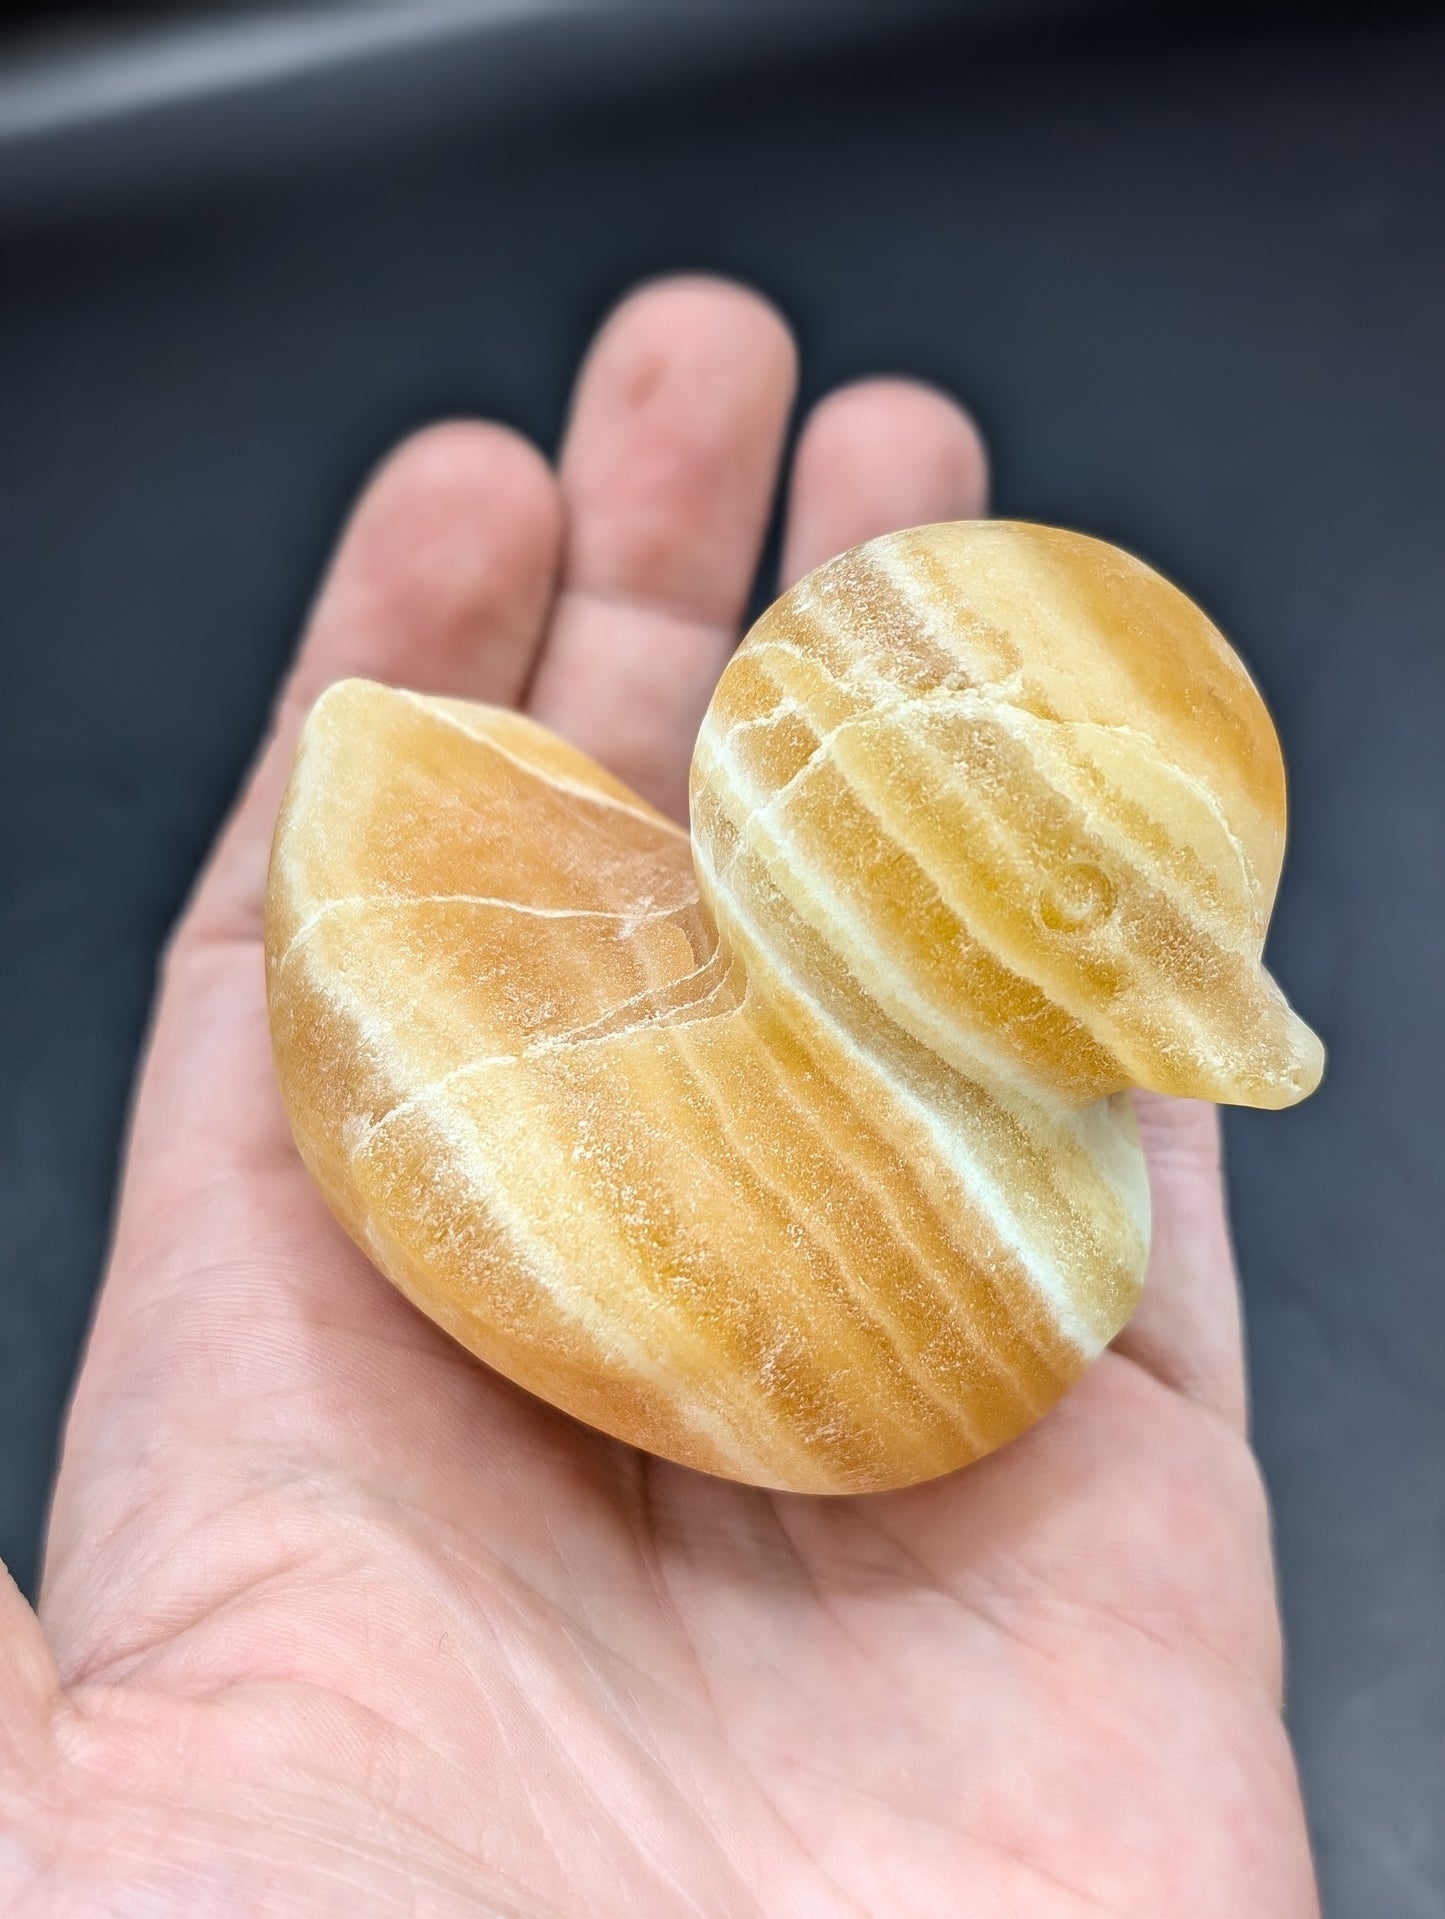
(1078, 896)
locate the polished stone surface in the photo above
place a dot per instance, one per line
(1195, 292)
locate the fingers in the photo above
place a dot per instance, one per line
(668, 471)
(1186, 1328)
(442, 581)
(875, 457)
(445, 572)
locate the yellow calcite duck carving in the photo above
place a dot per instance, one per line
(802, 1151)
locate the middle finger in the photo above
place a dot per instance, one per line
(668, 471)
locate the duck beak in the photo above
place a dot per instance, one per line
(1264, 1056)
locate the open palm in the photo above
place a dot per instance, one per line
(337, 1621)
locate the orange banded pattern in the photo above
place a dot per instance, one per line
(801, 1154)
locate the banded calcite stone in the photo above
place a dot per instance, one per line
(800, 1152)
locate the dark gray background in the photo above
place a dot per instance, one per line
(1194, 285)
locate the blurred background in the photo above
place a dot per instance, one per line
(1188, 266)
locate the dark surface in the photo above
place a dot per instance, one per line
(1195, 291)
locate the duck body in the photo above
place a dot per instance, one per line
(799, 1150)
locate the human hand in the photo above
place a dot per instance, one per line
(335, 1620)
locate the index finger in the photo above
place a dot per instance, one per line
(441, 582)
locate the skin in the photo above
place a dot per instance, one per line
(335, 1621)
